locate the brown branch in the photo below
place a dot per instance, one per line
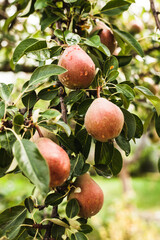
(50, 224)
(155, 14)
(19, 68)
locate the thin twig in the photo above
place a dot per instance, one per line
(155, 14)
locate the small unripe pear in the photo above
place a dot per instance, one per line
(57, 160)
(106, 36)
(103, 120)
(88, 194)
(81, 68)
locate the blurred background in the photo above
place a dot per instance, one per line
(131, 209)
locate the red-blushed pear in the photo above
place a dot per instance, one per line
(81, 68)
(57, 159)
(88, 194)
(103, 120)
(106, 35)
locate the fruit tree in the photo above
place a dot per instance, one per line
(86, 88)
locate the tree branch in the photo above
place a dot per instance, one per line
(155, 14)
(50, 224)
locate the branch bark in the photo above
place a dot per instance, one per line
(155, 14)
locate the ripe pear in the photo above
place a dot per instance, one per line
(81, 68)
(103, 120)
(106, 35)
(89, 195)
(57, 160)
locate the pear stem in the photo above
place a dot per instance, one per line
(98, 91)
(39, 131)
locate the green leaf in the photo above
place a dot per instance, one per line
(124, 60)
(103, 170)
(130, 124)
(6, 90)
(84, 105)
(130, 40)
(32, 163)
(7, 140)
(74, 96)
(116, 162)
(29, 99)
(59, 34)
(78, 236)
(18, 121)
(40, 4)
(11, 219)
(149, 95)
(111, 64)
(8, 21)
(77, 166)
(85, 140)
(139, 126)
(65, 127)
(115, 7)
(5, 162)
(68, 141)
(126, 90)
(103, 153)
(58, 231)
(85, 228)
(112, 76)
(51, 114)
(22, 47)
(29, 204)
(96, 43)
(72, 208)
(2, 109)
(48, 93)
(40, 75)
(48, 20)
(124, 144)
(36, 46)
(71, 38)
(54, 199)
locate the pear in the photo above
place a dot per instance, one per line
(106, 35)
(81, 68)
(103, 120)
(88, 194)
(57, 160)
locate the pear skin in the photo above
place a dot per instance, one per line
(57, 159)
(88, 194)
(103, 120)
(81, 68)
